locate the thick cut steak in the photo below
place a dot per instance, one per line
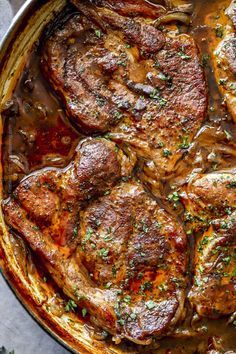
(117, 73)
(112, 249)
(211, 201)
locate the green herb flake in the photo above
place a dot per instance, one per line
(163, 77)
(184, 142)
(184, 56)
(166, 153)
(35, 228)
(75, 231)
(70, 306)
(231, 184)
(226, 260)
(173, 197)
(108, 285)
(205, 59)
(121, 321)
(98, 33)
(219, 31)
(127, 299)
(103, 253)
(150, 305)
(84, 312)
(100, 101)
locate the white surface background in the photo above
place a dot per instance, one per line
(18, 331)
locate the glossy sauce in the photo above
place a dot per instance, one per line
(38, 135)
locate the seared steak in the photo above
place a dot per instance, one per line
(120, 74)
(121, 256)
(211, 200)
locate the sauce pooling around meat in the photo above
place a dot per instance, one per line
(138, 296)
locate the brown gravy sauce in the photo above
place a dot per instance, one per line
(40, 135)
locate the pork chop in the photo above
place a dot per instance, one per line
(118, 73)
(122, 257)
(211, 200)
(225, 61)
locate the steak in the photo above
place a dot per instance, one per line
(112, 249)
(211, 199)
(117, 73)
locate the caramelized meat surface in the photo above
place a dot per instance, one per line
(129, 77)
(121, 256)
(211, 201)
(120, 74)
(225, 61)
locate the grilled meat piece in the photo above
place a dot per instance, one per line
(121, 256)
(53, 197)
(133, 8)
(211, 199)
(213, 292)
(120, 74)
(225, 61)
(208, 196)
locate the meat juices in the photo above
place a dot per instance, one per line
(108, 243)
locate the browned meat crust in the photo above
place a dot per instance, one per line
(211, 201)
(122, 75)
(224, 57)
(122, 256)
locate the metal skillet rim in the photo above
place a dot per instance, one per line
(4, 46)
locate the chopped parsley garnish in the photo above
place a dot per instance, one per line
(147, 285)
(140, 275)
(232, 86)
(108, 285)
(75, 231)
(88, 235)
(226, 260)
(173, 197)
(121, 321)
(219, 31)
(162, 287)
(231, 184)
(133, 316)
(205, 59)
(184, 56)
(98, 33)
(100, 101)
(118, 116)
(154, 94)
(166, 153)
(224, 225)
(222, 82)
(150, 304)
(84, 312)
(70, 306)
(103, 253)
(184, 143)
(127, 299)
(163, 77)
(145, 228)
(35, 228)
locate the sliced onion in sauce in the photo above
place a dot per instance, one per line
(173, 16)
